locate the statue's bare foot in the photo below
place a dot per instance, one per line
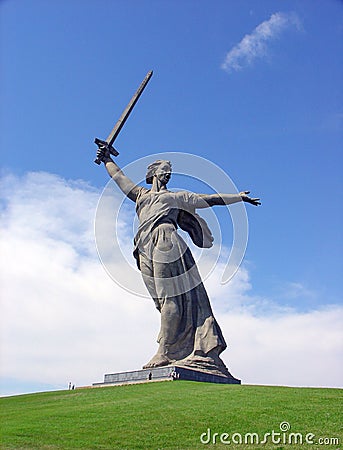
(157, 361)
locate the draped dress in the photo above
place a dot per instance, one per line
(172, 278)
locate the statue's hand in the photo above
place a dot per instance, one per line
(103, 153)
(245, 198)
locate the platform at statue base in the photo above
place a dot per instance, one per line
(171, 373)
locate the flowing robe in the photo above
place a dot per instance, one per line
(172, 278)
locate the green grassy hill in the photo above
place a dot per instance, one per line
(172, 415)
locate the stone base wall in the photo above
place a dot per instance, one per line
(172, 372)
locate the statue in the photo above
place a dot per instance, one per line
(189, 334)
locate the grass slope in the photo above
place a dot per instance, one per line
(167, 415)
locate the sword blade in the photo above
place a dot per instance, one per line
(119, 125)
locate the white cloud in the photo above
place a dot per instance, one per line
(254, 45)
(295, 349)
(64, 319)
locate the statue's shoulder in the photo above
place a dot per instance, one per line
(185, 196)
(141, 192)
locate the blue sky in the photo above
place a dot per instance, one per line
(255, 87)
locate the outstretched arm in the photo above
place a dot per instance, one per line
(129, 188)
(208, 200)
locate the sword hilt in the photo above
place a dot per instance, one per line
(104, 145)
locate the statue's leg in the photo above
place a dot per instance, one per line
(170, 316)
(148, 278)
(146, 267)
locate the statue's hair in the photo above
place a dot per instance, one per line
(152, 169)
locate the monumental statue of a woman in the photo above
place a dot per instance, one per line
(189, 334)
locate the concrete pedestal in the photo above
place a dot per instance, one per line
(171, 372)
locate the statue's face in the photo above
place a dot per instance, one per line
(163, 172)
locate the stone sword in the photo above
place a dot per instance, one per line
(107, 144)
